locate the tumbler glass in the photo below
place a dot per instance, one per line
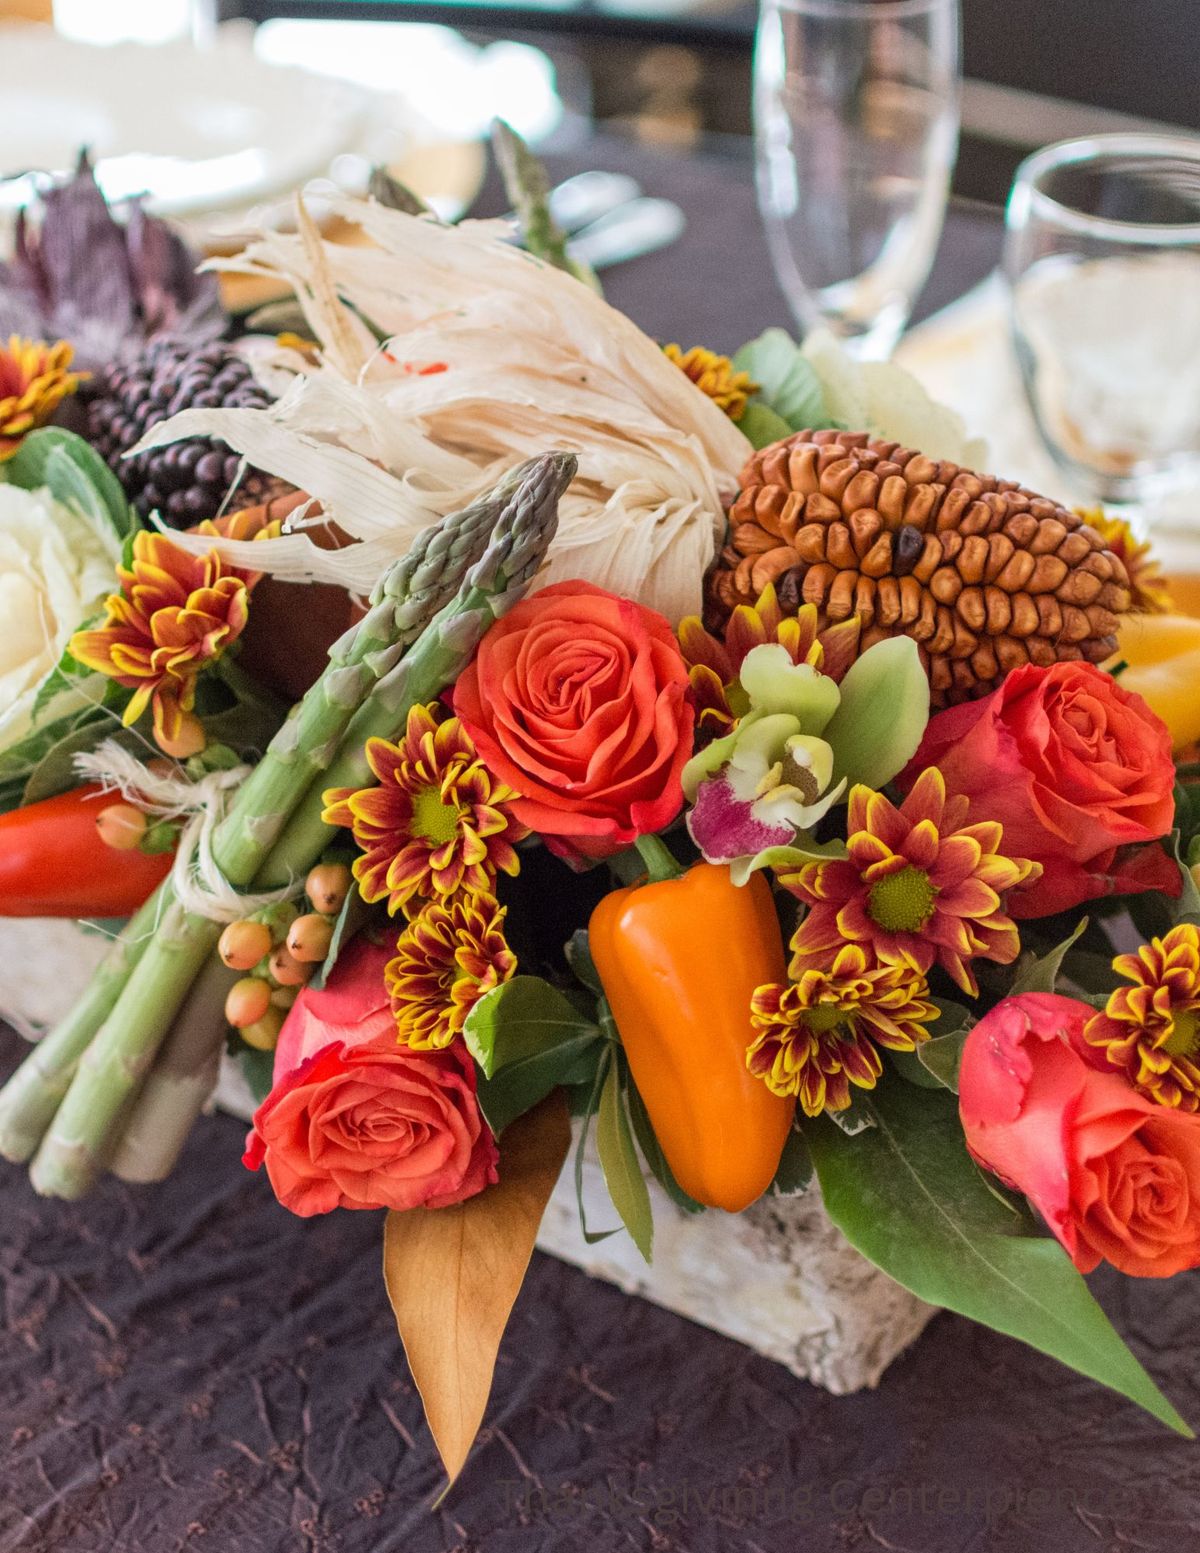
(1102, 262)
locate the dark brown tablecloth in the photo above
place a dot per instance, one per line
(189, 1367)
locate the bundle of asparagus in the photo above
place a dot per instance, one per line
(68, 1105)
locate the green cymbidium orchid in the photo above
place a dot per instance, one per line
(758, 792)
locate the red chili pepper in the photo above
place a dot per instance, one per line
(54, 864)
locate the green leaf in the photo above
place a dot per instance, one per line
(913, 1071)
(1091, 974)
(352, 918)
(761, 425)
(18, 761)
(1041, 974)
(1187, 907)
(938, 1059)
(907, 1195)
(656, 1160)
(852, 1119)
(608, 1058)
(795, 1170)
(55, 772)
(527, 1039)
(619, 1161)
(74, 474)
(787, 382)
(941, 1055)
(257, 1069)
(583, 967)
(882, 715)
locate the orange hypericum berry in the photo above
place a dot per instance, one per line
(309, 938)
(287, 970)
(244, 944)
(263, 1034)
(121, 826)
(327, 886)
(247, 1001)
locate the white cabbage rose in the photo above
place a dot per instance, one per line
(888, 401)
(56, 566)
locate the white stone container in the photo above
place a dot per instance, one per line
(780, 1277)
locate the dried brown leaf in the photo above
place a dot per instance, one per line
(452, 1275)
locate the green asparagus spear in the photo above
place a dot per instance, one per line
(76, 1146)
(32, 1095)
(528, 188)
(449, 644)
(408, 596)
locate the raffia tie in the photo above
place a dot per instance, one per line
(199, 883)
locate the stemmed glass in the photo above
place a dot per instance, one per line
(856, 130)
(1102, 261)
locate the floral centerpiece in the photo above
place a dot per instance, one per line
(703, 772)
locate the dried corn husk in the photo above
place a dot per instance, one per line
(490, 356)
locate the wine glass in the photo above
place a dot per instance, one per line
(856, 129)
(1102, 262)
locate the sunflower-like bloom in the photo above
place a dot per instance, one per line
(447, 958)
(821, 1032)
(1151, 1029)
(715, 663)
(34, 380)
(920, 886)
(715, 376)
(436, 823)
(1147, 585)
(175, 616)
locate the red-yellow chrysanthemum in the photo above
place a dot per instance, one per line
(821, 1032)
(714, 663)
(34, 380)
(1151, 1029)
(920, 885)
(437, 822)
(1147, 585)
(715, 376)
(447, 958)
(174, 617)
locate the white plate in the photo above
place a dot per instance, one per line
(192, 129)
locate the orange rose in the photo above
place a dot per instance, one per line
(578, 701)
(1079, 773)
(1115, 1176)
(354, 1119)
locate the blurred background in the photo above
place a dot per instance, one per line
(679, 71)
(831, 166)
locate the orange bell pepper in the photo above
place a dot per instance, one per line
(1163, 657)
(679, 960)
(53, 862)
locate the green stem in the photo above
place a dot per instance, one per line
(659, 860)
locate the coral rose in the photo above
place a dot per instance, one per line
(578, 701)
(1075, 769)
(1115, 1176)
(354, 1119)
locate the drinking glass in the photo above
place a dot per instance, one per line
(1102, 261)
(856, 129)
